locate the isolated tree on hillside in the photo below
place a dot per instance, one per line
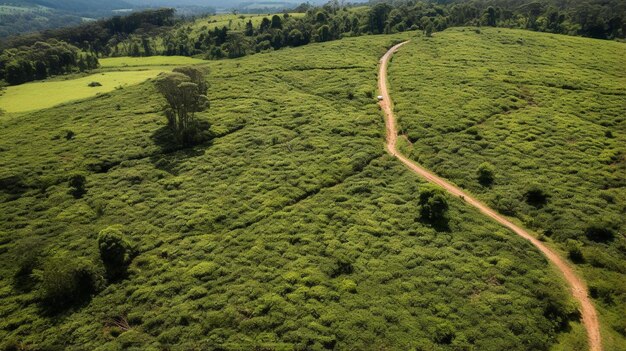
(433, 205)
(486, 174)
(185, 92)
(115, 252)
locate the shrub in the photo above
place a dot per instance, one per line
(433, 205)
(600, 232)
(486, 174)
(536, 196)
(66, 281)
(574, 251)
(77, 185)
(114, 251)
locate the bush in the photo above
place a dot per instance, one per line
(486, 174)
(66, 281)
(574, 251)
(600, 232)
(114, 251)
(536, 196)
(77, 185)
(433, 205)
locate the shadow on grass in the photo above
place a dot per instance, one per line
(172, 153)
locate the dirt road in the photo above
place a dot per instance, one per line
(577, 286)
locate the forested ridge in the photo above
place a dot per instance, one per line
(158, 32)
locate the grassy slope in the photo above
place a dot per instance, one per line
(539, 107)
(293, 191)
(63, 89)
(39, 95)
(121, 62)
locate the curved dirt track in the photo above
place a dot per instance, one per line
(577, 286)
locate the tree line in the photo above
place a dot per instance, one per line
(157, 32)
(333, 21)
(43, 59)
(99, 36)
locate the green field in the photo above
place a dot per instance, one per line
(40, 95)
(114, 73)
(547, 112)
(290, 230)
(145, 62)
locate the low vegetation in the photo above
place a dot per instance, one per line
(290, 229)
(533, 124)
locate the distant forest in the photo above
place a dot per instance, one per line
(158, 32)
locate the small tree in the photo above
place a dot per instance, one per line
(536, 196)
(574, 251)
(114, 251)
(486, 174)
(185, 92)
(601, 231)
(434, 205)
(77, 185)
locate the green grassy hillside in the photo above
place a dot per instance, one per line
(290, 230)
(114, 73)
(546, 112)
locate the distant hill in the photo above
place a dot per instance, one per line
(73, 6)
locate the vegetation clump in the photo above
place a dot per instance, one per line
(185, 92)
(536, 196)
(433, 205)
(486, 174)
(43, 59)
(115, 252)
(77, 184)
(67, 281)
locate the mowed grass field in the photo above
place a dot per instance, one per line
(114, 73)
(290, 230)
(547, 112)
(121, 62)
(40, 95)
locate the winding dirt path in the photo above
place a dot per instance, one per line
(577, 286)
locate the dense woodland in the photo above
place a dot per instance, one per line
(332, 22)
(43, 59)
(158, 32)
